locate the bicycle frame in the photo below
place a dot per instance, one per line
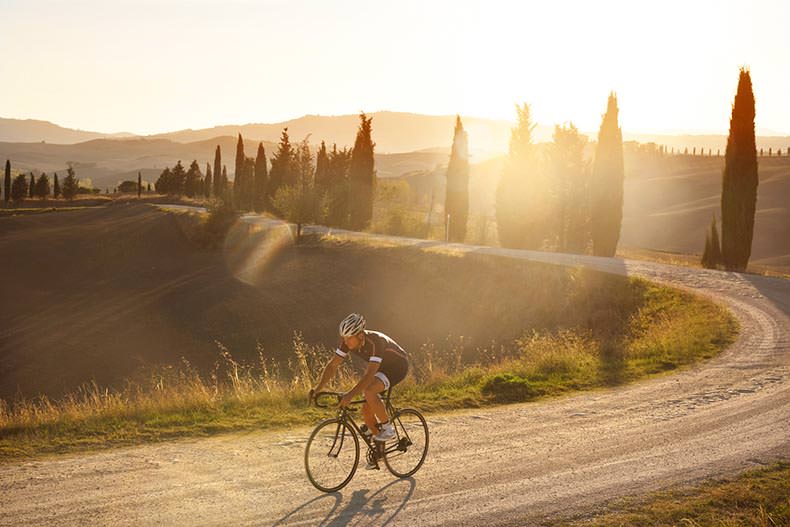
(344, 416)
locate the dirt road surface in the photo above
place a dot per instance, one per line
(515, 465)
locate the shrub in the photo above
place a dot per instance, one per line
(507, 387)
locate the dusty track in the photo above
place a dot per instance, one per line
(515, 465)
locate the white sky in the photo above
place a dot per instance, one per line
(160, 65)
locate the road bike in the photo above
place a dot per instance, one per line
(332, 454)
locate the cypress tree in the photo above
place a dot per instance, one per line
(218, 185)
(224, 184)
(7, 181)
(362, 175)
(208, 184)
(282, 172)
(456, 205)
(711, 256)
(707, 259)
(238, 175)
(32, 186)
(739, 180)
(522, 199)
(261, 178)
(56, 186)
(139, 185)
(606, 193)
(70, 184)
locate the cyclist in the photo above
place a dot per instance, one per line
(387, 366)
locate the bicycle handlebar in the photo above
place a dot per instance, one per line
(336, 396)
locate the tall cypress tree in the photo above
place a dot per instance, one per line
(7, 181)
(139, 185)
(32, 186)
(224, 183)
(56, 187)
(261, 178)
(238, 175)
(456, 205)
(362, 175)
(606, 190)
(739, 181)
(208, 183)
(218, 185)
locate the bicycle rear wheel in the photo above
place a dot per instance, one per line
(332, 455)
(405, 454)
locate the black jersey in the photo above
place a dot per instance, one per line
(378, 347)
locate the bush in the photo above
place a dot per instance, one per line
(220, 219)
(507, 387)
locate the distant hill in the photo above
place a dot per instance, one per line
(107, 162)
(393, 132)
(33, 131)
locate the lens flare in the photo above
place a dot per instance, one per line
(252, 244)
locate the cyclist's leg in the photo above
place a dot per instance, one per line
(375, 407)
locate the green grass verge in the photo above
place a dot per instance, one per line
(668, 330)
(759, 497)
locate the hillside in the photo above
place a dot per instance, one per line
(100, 294)
(35, 131)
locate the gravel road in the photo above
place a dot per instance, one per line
(514, 465)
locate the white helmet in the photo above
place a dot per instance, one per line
(352, 325)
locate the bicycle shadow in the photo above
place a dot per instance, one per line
(379, 509)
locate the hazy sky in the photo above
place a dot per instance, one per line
(154, 66)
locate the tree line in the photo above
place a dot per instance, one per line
(20, 188)
(295, 183)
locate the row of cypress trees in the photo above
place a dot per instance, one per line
(550, 197)
(18, 188)
(312, 186)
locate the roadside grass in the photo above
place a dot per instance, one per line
(665, 330)
(759, 498)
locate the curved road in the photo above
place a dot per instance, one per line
(513, 465)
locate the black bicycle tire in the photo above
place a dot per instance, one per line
(350, 430)
(425, 450)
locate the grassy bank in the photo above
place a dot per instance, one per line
(664, 330)
(759, 498)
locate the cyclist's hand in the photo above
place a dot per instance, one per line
(345, 400)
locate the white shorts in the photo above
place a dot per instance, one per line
(383, 378)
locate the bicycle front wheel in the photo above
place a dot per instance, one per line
(332, 455)
(405, 454)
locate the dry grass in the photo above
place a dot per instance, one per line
(759, 498)
(638, 329)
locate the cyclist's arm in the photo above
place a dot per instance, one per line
(364, 382)
(329, 372)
